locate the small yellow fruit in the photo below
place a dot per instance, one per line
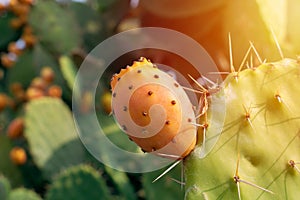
(54, 91)
(47, 74)
(3, 101)
(16, 23)
(29, 39)
(15, 87)
(18, 91)
(106, 102)
(12, 47)
(154, 110)
(27, 29)
(15, 128)
(34, 93)
(38, 83)
(7, 61)
(18, 156)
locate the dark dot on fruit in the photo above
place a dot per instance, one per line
(130, 87)
(145, 113)
(173, 102)
(114, 94)
(167, 122)
(125, 108)
(156, 76)
(119, 78)
(176, 85)
(150, 93)
(139, 71)
(189, 120)
(124, 127)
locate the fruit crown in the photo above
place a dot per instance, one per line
(116, 77)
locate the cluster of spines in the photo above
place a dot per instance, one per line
(249, 116)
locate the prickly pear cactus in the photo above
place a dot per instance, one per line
(61, 148)
(49, 30)
(23, 194)
(257, 154)
(4, 187)
(166, 129)
(78, 182)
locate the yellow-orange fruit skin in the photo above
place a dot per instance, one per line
(15, 128)
(3, 101)
(106, 102)
(154, 110)
(18, 156)
(47, 74)
(55, 91)
(34, 93)
(140, 115)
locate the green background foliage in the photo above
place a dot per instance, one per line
(58, 35)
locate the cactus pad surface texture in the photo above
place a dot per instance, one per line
(258, 151)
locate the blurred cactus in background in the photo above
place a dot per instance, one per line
(43, 44)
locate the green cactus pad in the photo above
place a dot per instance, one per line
(7, 33)
(76, 183)
(92, 25)
(68, 70)
(264, 17)
(4, 188)
(51, 30)
(23, 194)
(51, 134)
(261, 135)
(23, 70)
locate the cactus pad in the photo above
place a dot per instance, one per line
(79, 182)
(52, 137)
(23, 194)
(257, 153)
(49, 29)
(4, 188)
